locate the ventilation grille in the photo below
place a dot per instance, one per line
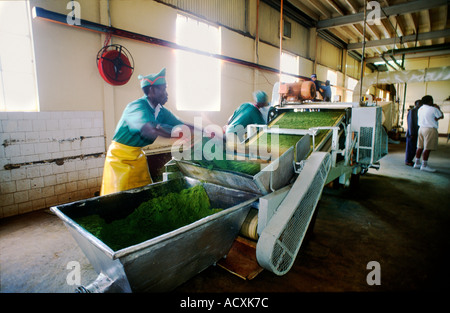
(381, 140)
(365, 139)
(372, 147)
(288, 226)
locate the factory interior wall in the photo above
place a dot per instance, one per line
(58, 67)
(49, 158)
(352, 67)
(67, 77)
(328, 55)
(269, 31)
(56, 155)
(439, 90)
(65, 59)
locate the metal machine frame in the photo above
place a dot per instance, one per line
(365, 139)
(286, 208)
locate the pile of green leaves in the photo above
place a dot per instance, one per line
(152, 218)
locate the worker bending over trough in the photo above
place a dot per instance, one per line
(142, 121)
(246, 114)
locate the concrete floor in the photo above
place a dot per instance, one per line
(398, 216)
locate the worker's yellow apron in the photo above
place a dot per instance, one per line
(125, 168)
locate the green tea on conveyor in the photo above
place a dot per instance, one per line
(299, 120)
(152, 218)
(306, 120)
(245, 167)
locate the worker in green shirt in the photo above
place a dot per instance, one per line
(246, 114)
(142, 121)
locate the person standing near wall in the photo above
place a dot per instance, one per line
(412, 133)
(326, 94)
(319, 89)
(428, 116)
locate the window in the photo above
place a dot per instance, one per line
(351, 84)
(18, 90)
(198, 77)
(332, 77)
(348, 96)
(289, 64)
(286, 29)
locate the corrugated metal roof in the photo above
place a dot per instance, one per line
(403, 27)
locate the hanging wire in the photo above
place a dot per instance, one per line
(108, 35)
(281, 35)
(363, 51)
(109, 15)
(107, 39)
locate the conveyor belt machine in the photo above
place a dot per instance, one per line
(353, 142)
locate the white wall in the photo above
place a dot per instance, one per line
(439, 90)
(68, 78)
(49, 158)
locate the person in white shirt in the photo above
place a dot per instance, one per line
(428, 116)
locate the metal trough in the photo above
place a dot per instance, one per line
(164, 262)
(274, 176)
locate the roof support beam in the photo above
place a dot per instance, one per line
(353, 6)
(319, 7)
(396, 63)
(336, 7)
(305, 9)
(411, 53)
(398, 9)
(387, 63)
(410, 38)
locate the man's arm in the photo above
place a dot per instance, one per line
(442, 114)
(153, 130)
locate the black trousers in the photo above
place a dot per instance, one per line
(411, 147)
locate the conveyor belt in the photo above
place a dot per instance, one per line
(291, 126)
(278, 175)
